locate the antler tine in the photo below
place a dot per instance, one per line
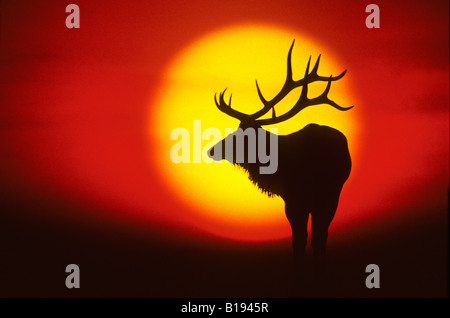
(289, 78)
(304, 94)
(307, 67)
(324, 99)
(316, 66)
(304, 102)
(290, 84)
(215, 100)
(313, 76)
(226, 108)
(287, 87)
(261, 97)
(222, 101)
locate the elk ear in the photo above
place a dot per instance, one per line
(211, 153)
(215, 152)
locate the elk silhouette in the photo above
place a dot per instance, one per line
(313, 163)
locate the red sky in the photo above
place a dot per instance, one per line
(74, 103)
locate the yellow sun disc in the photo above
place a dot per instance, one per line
(226, 202)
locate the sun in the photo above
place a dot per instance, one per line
(224, 202)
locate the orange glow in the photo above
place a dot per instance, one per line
(86, 115)
(227, 203)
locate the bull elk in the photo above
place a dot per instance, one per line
(313, 163)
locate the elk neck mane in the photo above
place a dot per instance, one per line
(263, 182)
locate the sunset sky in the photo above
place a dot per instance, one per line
(77, 107)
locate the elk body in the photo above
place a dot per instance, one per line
(313, 163)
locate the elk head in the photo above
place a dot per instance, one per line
(249, 140)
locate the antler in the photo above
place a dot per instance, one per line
(226, 108)
(288, 86)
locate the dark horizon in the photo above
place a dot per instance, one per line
(83, 179)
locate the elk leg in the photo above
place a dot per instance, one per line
(298, 218)
(322, 214)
